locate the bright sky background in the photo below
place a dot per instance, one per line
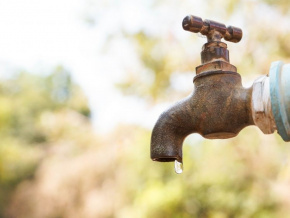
(39, 35)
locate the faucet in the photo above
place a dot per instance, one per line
(219, 106)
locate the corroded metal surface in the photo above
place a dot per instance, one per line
(216, 66)
(214, 50)
(214, 31)
(218, 108)
(215, 57)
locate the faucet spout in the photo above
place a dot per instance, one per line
(170, 131)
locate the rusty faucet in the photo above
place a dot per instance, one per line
(219, 106)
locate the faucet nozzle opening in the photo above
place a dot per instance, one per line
(167, 159)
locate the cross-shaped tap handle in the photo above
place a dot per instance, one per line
(213, 30)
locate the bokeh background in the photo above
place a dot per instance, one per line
(82, 83)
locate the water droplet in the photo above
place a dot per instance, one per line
(178, 167)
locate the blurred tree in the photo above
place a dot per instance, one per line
(282, 5)
(24, 99)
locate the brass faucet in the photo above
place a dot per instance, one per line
(219, 106)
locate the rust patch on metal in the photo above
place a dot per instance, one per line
(213, 30)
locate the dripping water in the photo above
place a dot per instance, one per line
(178, 167)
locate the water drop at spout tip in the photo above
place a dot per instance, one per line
(178, 167)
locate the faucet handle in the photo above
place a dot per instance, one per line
(214, 31)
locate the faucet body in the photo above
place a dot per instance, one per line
(219, 106)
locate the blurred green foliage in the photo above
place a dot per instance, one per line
(282, 5)
(24, 99)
